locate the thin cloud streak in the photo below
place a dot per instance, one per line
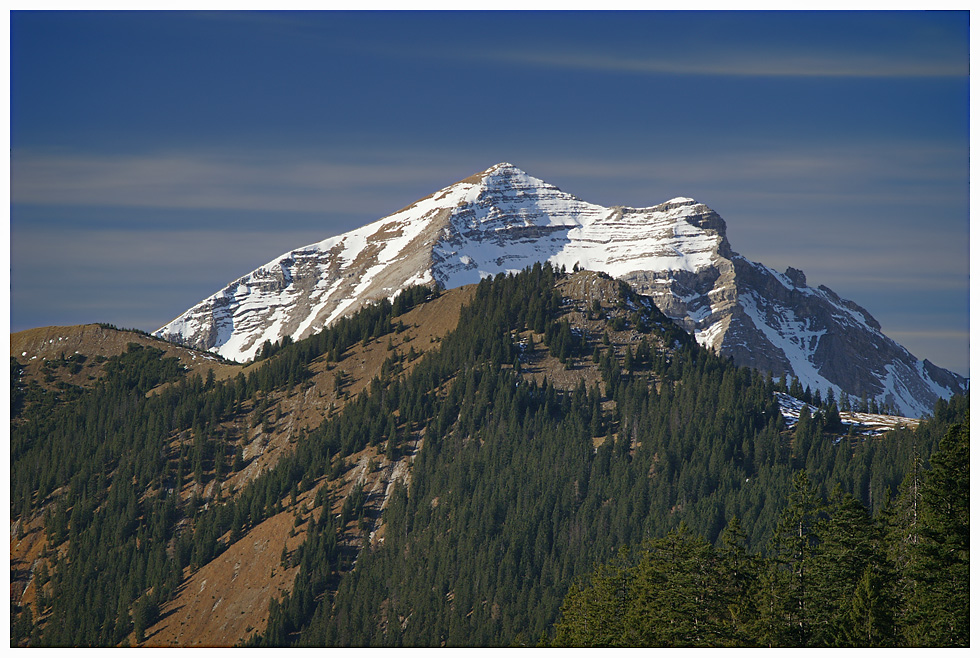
(298, 182)
(276, 182)
(183, 255)
(760, 65)
(951, 334)
(934, 58)
(865, 260)
(913, 160)
(166, 271)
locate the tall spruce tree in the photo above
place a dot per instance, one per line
(941, 560)
(845, 551)
(792, 549)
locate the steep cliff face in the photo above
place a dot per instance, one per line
(503, 220)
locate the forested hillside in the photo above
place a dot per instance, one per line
(832, 575)
(564, 424)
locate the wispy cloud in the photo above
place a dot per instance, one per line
(739, 48)
(758, 64)
(952, 334)
(166, 271)
(786, 160)
(161, 254)
(282, 182)
(870, 172)
(286, 181)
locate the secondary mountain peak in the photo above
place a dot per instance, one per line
(503, 220)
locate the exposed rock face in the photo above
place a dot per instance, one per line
(775, 322)
(504, 220)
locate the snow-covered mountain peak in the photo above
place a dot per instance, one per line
(501, 174)
(505, 183)
(503, 220)
(505, 168)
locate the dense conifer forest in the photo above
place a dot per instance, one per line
(832, 575)
(667, 504)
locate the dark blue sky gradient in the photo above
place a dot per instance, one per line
(837, 142)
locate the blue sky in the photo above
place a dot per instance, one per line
(157, 156)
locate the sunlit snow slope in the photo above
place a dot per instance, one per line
(503, 220)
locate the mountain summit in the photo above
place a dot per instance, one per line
(503, 220)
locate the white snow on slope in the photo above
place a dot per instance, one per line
(793, 337)
(258, 306)
(500, 221)
(864, 424)
(532, 221)
(503, 220)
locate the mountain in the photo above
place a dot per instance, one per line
(503, 220)
(443, 470)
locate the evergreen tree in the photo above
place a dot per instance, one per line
(594, 613)
(845, 551)
(941, 560)
(871, 618)
(792, 549)
(674, 598)
(739, 573)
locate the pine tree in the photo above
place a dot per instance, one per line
(675, 598)
(792, 549)
(902, 525)
(941, 561)
(844, 552)
(738, 572)
(871, 618)
(594, 611)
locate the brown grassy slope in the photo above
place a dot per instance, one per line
(305, 407)
(226, 599)
(33, 347)
(26, 546)
(301, 409)
(244, 600)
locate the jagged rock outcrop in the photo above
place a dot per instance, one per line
(503, 220)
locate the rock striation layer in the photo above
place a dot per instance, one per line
(503, 220)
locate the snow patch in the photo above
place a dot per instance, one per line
(790, 335)
(707, 337)
(864, 424)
